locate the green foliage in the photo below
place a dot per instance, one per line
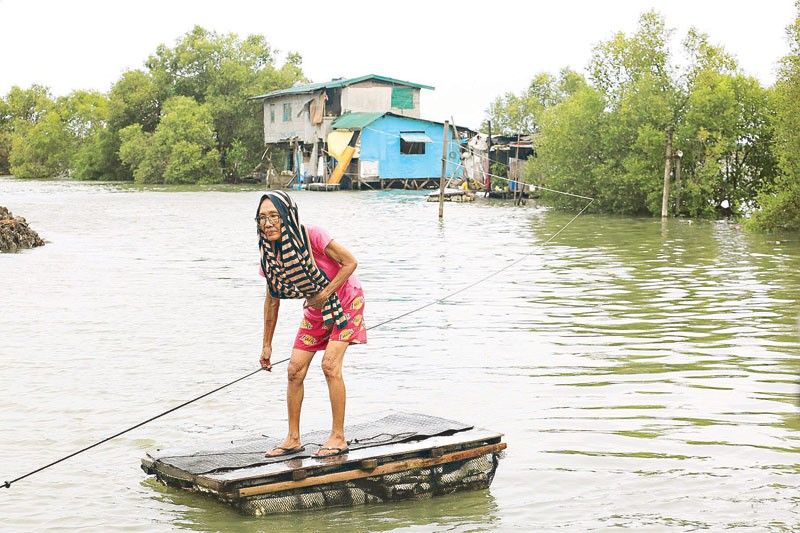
(85, 112)
(780, 205)
(26, 106)
(87, 115)
(499, 169)
(786, 98)
(181, 150)
(726, 136)
(5, 151)
(135, 99)
(240, 159)
(622, 63)
(188, 163)
(19, 111)
(569, 148)
(57, 137)
(608, 139)
(185, 118)
(137, 151)
(222, 72)
(41, 140)
(780, 209)
(5, 136)
(42, 150)
(97, 158)
(511, 114)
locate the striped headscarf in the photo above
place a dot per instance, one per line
(290, 268)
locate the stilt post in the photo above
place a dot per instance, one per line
(678, 156)
(445, 133)
(667, 175)
(517, 182)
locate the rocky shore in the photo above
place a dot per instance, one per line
(15, 234)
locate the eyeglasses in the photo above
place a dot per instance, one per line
(274, 220)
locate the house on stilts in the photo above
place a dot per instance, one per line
(378, 117)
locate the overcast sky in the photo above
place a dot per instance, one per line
(470, 51)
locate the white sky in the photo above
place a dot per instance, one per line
(470, 51)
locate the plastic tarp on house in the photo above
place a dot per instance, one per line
(474, 161)
(312, 161)
(415, 137)
(337, 142)
(402, 98)
(369, 169)
(316, 109)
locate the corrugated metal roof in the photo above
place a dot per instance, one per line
(350, 121)
(339, 82)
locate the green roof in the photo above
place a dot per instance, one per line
(338, 82)
(355, 121)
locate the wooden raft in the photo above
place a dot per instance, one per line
(322, 187)
(453, 195)
(399, 457)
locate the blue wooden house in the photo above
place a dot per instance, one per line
(395, 150)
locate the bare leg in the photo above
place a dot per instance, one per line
(332, 367)
(298, 367)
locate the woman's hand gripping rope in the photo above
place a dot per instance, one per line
(266, 355)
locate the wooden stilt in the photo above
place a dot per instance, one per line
(445, 133)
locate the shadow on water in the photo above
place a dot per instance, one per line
(467, 511)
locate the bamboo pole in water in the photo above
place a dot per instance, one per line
(457, 140)
(445, 133)
(489, 159)
(678, 156)
(517, 181)
(667, 173)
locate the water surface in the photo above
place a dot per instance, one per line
(645, 376)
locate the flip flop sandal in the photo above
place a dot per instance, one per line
(339, 451)
(284, 451)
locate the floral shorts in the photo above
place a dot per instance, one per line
(314, 335)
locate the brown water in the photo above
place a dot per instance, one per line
(645, 377)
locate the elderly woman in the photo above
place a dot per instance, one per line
(304, 262)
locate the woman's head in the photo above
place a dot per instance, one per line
(275, 210)
(269, 220)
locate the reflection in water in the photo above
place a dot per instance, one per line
(645, 376)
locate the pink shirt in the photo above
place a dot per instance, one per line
(319, 241)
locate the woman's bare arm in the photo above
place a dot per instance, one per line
(271, 307)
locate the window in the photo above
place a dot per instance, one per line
(287, 112)
(402, 98)
(413, 142)
(272, 113)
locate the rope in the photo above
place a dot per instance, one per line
(528, 184)
(373, 440)
(7, 484)
(368, 442)
(477, 155)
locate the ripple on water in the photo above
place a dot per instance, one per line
(644, 376)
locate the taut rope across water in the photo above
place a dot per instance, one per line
(7, 484)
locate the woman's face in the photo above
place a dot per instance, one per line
(269, 221)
